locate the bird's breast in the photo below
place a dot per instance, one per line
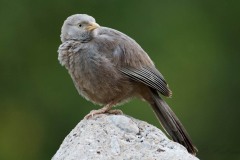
(95, 76)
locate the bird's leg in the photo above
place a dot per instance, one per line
(105, 109)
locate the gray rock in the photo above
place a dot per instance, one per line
(109, 137)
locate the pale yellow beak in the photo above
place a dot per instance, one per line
(92, 26)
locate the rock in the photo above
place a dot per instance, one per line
(109, 137)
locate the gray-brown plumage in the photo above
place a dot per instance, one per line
(108, 68)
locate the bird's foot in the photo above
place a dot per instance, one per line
(94, 112)
(105, 109)
(115, 111)
(100, 111)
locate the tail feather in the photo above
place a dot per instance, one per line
(171, 123)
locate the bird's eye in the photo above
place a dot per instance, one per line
(80, 25)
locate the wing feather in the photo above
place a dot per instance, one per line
(149, 77)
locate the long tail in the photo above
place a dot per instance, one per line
(171, 123)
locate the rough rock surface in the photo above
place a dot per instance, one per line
(109, 137)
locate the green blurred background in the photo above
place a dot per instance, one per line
(195, 44)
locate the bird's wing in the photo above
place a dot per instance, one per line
(132, 60)
(148, 76)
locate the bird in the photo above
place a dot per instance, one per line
(110, 68)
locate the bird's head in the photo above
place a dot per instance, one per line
(78, 27)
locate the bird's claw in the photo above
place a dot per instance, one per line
(100, 111)
(92, 113)
(115, 111)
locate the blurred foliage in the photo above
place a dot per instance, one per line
(194, 43)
